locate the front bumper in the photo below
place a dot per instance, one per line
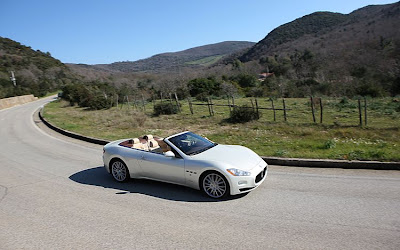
(245, 184)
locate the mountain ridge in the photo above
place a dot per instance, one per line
(174, 61)
(317, 24)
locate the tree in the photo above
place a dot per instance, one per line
(204, 86)
(246, 80)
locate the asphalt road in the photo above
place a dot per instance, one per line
(54, 194)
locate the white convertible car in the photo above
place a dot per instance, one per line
(186, 159)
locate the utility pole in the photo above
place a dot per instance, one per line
(12, 78)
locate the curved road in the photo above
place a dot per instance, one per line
(54, 194)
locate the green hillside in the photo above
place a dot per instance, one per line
(332, 54)
(36, 72)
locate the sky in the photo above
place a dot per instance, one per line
(106, 31)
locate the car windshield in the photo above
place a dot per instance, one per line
(191, 144)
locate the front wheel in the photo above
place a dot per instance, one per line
(215, 185)
(119, 171)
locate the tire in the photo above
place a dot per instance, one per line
(119, 171)
(215, 185)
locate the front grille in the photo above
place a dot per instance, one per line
(261, 175)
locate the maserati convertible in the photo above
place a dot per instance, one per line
(186, 159)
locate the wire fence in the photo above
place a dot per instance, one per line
(337, 111)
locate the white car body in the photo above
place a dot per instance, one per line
(189, 170)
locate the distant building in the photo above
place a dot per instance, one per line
(263, 76)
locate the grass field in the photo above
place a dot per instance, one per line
(338, 137)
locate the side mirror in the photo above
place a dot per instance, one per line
(169, 154)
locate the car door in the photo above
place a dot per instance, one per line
(131, 157)
(160, 167)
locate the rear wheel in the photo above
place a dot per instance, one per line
(119, 171)
(215, 185)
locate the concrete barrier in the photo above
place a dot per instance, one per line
(71, 134)
(16, 100)
(325, 163)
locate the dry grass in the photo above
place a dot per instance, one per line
(338, 138)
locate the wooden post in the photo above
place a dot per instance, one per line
(321, 110)
(190, 105)
(233, 101)
(258, 114)
(312, 108)
(161, 96)
(359, 112)
(177, 103)
(284, 109)
(170, 99)
(273, 109)
(229, 104)
(208, 105)
(211, 106)
(365, 111)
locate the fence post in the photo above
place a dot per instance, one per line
(365, 110)
(273, 109)
(284, 109)
(212, 107)
(321, 109)
(312, 108)
(252, 105)
(208, 105)
(190, 105)
(170, 99)
(359, 111)
(177, 103)
(258, 114)
(233, 101)
(229, 104)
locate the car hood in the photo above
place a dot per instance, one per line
(236, 156)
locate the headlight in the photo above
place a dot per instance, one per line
(238, 172)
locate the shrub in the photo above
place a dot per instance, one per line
(98, 102)
(280, 153)
(331, 143)
(165, 108)
(243, 114)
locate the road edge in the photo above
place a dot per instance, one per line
(293, 162)
(69, 133)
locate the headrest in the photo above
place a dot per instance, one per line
(153, 144)
(136, 140)
(149, 137)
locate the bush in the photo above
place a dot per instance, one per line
(243, 114)
(90, 96)
(98, 102)
(165, 108)
(331, 143)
